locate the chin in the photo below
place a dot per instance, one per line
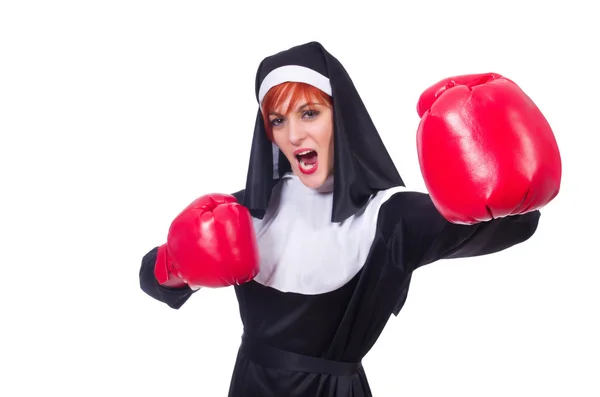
(311, 173)
(312, 181)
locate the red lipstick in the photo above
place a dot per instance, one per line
(307, 160)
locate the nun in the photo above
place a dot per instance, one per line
(338, 234)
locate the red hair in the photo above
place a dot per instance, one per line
(296, 92)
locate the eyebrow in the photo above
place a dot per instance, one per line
(273, 113)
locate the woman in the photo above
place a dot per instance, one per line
(334, 238)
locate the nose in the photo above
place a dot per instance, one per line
(296, 133)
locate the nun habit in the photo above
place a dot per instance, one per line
(336, 262)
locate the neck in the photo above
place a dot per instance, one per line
(326, 187)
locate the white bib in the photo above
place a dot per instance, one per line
(301, 250)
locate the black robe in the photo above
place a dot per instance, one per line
(311, 345)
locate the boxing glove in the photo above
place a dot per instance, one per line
(211, 243)
(485, 149)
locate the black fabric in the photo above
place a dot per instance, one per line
(329, 326)
(423, 236)
(420, 235)
(272, 357)
(362, 164)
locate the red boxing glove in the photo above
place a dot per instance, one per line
(211, 243)
(485, 149)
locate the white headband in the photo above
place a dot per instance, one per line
(295, 73)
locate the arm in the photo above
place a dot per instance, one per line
(420, 235)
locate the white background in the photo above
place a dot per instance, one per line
(116, 114)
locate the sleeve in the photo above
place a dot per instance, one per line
(420, 235)
(173, 297)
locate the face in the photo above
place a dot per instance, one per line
(305, 136)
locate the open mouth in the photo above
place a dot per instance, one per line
(307, 160)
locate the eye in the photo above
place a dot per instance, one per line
(276, 122)
(310, 113)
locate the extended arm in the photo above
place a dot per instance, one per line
(421, 235)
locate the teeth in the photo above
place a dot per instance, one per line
(305, 152)
(306, 166)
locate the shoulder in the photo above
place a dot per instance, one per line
(407, 207)
(404, 202)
